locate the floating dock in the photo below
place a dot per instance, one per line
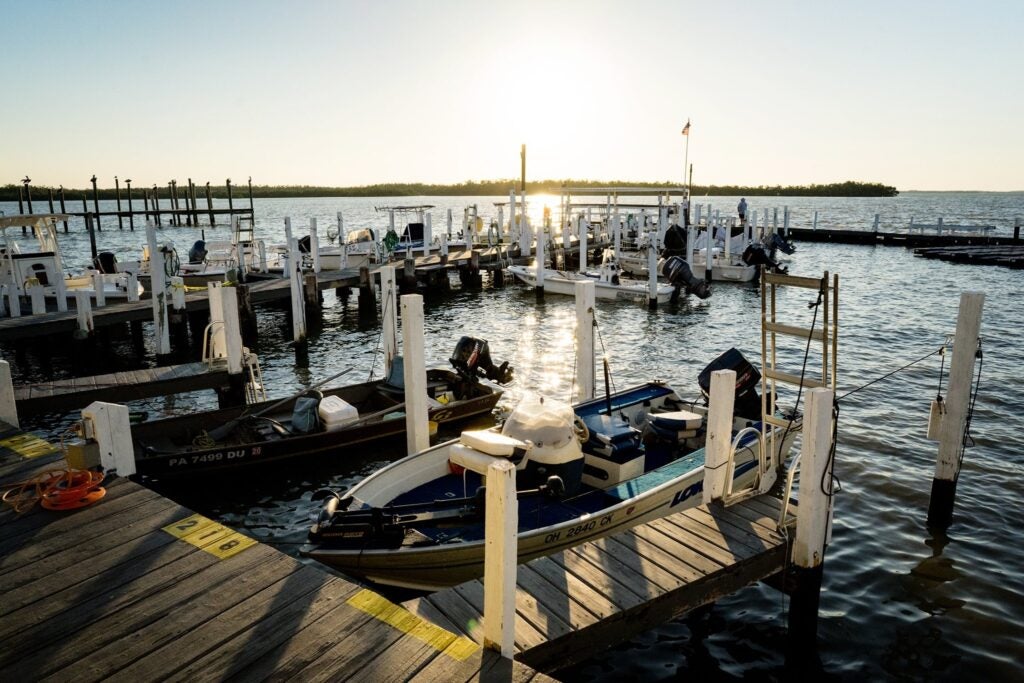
(135, 587)
(1009, 256)
(579, 602)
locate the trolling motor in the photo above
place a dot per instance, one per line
(679, 274)
(472, 359)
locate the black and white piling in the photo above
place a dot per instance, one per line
(954, 421)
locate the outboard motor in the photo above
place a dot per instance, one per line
(304, 243)
(197, 254)
(105, 262)
(472, 358)
(556, 455)
(748, 402)
(679, 274)
(777, 241)
(757, 255)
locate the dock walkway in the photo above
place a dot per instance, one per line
(136, 587)
(578, 602)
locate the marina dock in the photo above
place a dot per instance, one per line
(578, 602)
(136, 587)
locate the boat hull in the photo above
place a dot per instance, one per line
(178, 446)
(559, 282)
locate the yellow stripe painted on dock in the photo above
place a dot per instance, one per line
(28, 445)
(207, 535)
(457, 647)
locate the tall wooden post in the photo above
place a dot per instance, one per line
(21, 201)
(131, 210)
(62, 209)
(96, 203)
(389, 314)
(718, 443)
(156, 206)
(231, 203)
(8, 406)
(92, 236)
(209, 205)
(158, 293)
(28, 192)
(367, 301)
(584, 340)
(954, 421)
(415, 374)
(117, 190)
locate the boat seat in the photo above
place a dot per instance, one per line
(612, 437)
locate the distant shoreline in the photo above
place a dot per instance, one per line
(487, 188)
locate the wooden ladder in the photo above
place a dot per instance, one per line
(824, 330)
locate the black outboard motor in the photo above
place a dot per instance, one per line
(748, 402)
(757, 255)
(105, 262)
(472, 359)
(675, 241)
(304, 243)
(777, 241)
(197, 254)
(678, 273)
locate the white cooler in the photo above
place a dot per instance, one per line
(335, 413)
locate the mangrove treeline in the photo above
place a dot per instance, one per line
(482, 188)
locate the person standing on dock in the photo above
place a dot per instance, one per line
(741, 209)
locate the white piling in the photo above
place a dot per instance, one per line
(83, 309)
(727, 247)
(3, 300)
(232, 329)
(814, 226)
(218, 340)
(389, 315)
(617, 233)
(8, 406)
(133, 286)
(159, 295)
(815, 485)
(512, 228)
(875, 226)
(61, 292)
(417, 431)
(178, 293)
(37, 297)
(109, 425)
(314, 244)
(748, 232)
(524, 219)
(566, 233)
(951, 432)
(652, 274)
(696, 214)
(785, 220)
(710, 234)
(99, 291)
(502, 235)
(501, 522)
(541, 258)
(13, 301)
(298, 302)
(719, 434)
(428, 233)
(775, 219)
(939, 226)
(442, 248)
(584, 340)
(813, 519)
(690, 238)
(584, 237)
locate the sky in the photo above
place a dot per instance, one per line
(919, 95)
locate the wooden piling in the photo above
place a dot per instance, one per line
(62, 209)
(246, 315)
(156, 207)
(231, 204)
(409, 275)
(414, 374)
(131, 210)
(389, 314)
(21, 201)
(8, 406)
(195, 209)
(718, 443)
(92, 236)
(209, 205)
(117, 190)
(367, 301)
(96, 203)
(585, 381)
(954, 421)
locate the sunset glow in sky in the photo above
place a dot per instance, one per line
(920, 95)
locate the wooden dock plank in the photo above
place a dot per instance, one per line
(580, 603)
(590, 562)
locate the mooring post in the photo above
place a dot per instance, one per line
(209, 205)
(110, 426)
(939, 226)
(501, 523)
(92, 235)
(785, 220)
(231, 200)
(83, 309)
(709, 233)
(156, 204)
(218, 347)
(389, 316)
(691, 238)
(954, 421)
(443, 248)
(417, 429)
(99, 292)
(13, 301)
(231, 332)
(814, 225)
(95, 203)
(295, 279)
(64, 210)
(584, 340)
(1016, 229)
(158, 294)
(133, 286)
(177, 317)
(314, 244)
(3, 300)
(367, 301)
(652, 274)
(525, 243)
(428, 233)
(874, 227)
(117, 190)
(718, 443)
(8, 406)
(247, 316)
(813, 521)
(617, 233)
(584, 236)
(538, 287)
(342, 244)
(775, 219)
(408, 274)
(131, 210)
(37, 295)
(21, 204)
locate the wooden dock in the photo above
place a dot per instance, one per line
(135, 587)
(581, 601)
(898, 239)
(118, 387)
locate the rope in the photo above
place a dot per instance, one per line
(57, 489)
(970, 413)
(890, 374)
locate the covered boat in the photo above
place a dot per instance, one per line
(582, 473)
(316, 423)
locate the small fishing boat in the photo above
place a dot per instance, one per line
(609, 284)
(21, 267)
(582, 473)
(314, 422)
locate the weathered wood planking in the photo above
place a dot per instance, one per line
(1009, 256)
(575, 603)
(106, 592)
(118, 387)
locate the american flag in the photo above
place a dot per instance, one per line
(686, 128)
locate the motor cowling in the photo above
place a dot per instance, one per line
(748, 402)
(679, 274)
(472, 358)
